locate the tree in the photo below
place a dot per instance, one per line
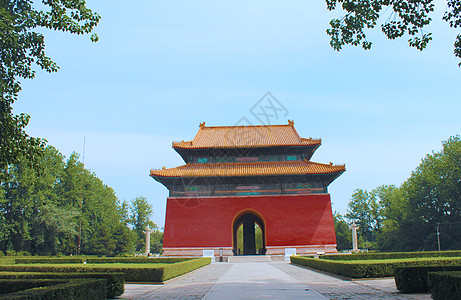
(139, 219)
(434, 197)
(393, 210)
(343, 233)
(406, 17)
(22, 47)
(51, 212)
(156, 241)
(407, 217)
(364, 210)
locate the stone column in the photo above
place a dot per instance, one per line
(147, 232)
(354, 228)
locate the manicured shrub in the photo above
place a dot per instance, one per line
(41, 289)
(49, 260)
(391, 255)
(414, 279)
(115, 281)
(445, 285)
(369, 268)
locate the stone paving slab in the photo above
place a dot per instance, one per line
(193, 285)
(276, 280)
(258, 281)
(335, 288)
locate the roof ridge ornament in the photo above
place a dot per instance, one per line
(291, 122)
(202, 125)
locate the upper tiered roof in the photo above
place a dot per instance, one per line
(246, 137)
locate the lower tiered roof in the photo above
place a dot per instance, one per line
(249, 169)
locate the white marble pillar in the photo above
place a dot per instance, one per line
(147, 232)
(354, 228)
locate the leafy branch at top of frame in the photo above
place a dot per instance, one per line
(406, 17)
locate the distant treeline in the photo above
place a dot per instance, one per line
(60, 207)
(407, 218)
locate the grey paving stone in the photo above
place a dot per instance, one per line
(262, 280)
(193, 285)
(258, 281)
(336, 288)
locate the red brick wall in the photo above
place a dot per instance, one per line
(290, 220)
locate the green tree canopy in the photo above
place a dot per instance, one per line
(409, 215)
(404, 17)
(139, 219)
(22, 48)
(64, 206)
(343, 233)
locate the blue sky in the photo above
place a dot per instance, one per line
(162, 67)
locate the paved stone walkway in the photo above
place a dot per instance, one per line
(278, 280)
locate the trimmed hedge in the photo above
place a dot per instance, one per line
(147, 273)
(52, 260)
(115, 281)
(137, 260)
(414, 279)
(367, 269)
(445, 285)
(12, 286)
(391, 255)
(180, 268)
(41, 289)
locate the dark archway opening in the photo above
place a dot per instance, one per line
(249, 235)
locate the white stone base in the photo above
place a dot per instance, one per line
(227, 251)
(302, 250)
(271, 250)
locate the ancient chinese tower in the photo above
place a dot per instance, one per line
(248, 190)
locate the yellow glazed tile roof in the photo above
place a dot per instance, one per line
(246, 136)
(249, 169)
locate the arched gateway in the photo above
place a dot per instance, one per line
(248, 190)
(249, 234)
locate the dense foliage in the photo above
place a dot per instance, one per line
(22, 48)
(402, 17)
(66, 209)
(409, 217)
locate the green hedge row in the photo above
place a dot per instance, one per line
(391, 255)
(115, 281)
(445, 285)
(414, 279)
(49, 260)
(100, 260)
(149, 273)
(12, 286)
(137, 260)
(41, 289)
(180, 268)
(367, 269)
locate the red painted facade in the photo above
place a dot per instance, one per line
(290, 221)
